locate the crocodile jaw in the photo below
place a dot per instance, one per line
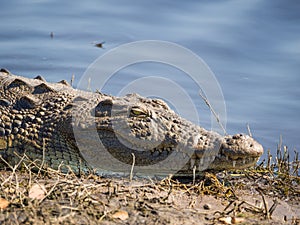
(237, 152)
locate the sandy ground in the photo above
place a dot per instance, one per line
(50, 197)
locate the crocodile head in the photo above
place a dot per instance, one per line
(237, 152)
(161, 140)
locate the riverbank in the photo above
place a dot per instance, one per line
(267, 194)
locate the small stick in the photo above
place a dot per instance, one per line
(269, 160)
(43, 159)
(280, 143)
(132, 166)
(79, 169)
(267, 214)
(72, 79)
(230, 203)
(279, 158)
(273, 207)
(30, 175)
(249, 131)
(212, 110)
(296, 164)
(51, 190)
(13, 168)
(89, 84)
(194, 174)
(169, 192)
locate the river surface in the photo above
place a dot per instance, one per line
(252, 47)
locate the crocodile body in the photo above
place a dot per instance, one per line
(59, 125)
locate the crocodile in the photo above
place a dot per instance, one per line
(60, 126)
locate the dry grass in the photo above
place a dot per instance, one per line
(268, 194)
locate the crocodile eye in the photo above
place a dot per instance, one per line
(138, 112)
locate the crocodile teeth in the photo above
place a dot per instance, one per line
(233, 163)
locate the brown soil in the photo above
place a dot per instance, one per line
(249, 197)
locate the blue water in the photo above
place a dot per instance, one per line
(252, 46)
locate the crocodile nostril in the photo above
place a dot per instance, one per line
(251, 145)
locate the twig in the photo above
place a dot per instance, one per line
(132, 166)
(212, 110)
(267, 214)
(279, 146)
(72, 79)
(43, 158)
(51, 190)
(13, 168)
(169, 192)
(273, 207)
(249, 131)
(296, 164)
(79, 169)
(30, 175)
(89, 84)
(194, 174)
(269, 160)
(230, 203)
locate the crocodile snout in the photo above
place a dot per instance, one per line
(241, 145)
(237, 152)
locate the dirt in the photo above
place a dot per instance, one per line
(245, 197)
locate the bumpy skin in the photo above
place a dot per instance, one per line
(54, 123)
